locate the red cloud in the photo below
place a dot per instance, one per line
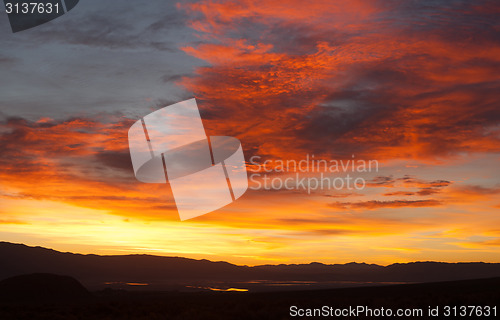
(376, 80)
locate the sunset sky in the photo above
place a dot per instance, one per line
(414, 85)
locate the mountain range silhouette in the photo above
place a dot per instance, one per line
(96, 271)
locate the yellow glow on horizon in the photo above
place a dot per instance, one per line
(261, 227)
(71, 228)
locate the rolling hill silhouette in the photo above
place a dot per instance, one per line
(95, 271)
(41, 287)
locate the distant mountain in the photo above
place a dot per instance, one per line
(94, 270)
(41, 287)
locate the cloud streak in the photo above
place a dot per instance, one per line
(374, 204)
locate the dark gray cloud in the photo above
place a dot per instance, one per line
(101, 56)
(115, 159)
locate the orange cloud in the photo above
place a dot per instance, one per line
(358, 76)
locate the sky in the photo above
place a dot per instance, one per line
(411, 85)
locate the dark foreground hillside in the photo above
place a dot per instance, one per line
(118, 304)
(41, 287)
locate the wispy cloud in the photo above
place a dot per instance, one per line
(374, 204)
